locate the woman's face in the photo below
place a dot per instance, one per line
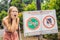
(14, 13)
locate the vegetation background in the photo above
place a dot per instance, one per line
(30, 5)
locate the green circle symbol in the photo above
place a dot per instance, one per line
(33, 23)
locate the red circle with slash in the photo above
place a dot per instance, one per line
(51, 25)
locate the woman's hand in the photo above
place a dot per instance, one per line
(14, 23)
(13, 29)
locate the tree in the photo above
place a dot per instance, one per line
(18, 4)
(30, 7)
(4, 5)
(58, 11)
(2, 15)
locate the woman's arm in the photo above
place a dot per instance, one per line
(13, 27)
(6, 24)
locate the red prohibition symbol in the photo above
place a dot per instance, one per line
(49, 21)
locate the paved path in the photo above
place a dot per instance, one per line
(23, 38)
(1, 32)
(27, 38)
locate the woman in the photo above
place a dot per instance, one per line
(10, 23)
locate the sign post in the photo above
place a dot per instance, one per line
(39, 8)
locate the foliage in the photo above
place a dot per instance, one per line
(2, 15)
(49, 5)
(4, 5)
(27, 1)
(18, 4)
(58, 11)
(30, 7)
(21, 21)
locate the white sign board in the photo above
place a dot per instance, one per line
(49, 22)
(39, 22)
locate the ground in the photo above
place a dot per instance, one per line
(26, 38)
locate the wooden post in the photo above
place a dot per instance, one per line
(38, 2)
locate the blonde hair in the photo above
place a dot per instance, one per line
(9, 10)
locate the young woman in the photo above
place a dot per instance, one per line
(10, 23)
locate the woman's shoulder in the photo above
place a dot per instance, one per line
(5, 18)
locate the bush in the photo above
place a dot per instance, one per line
(21, 21)
(2, 15)
(30, 7)
(18, 4)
